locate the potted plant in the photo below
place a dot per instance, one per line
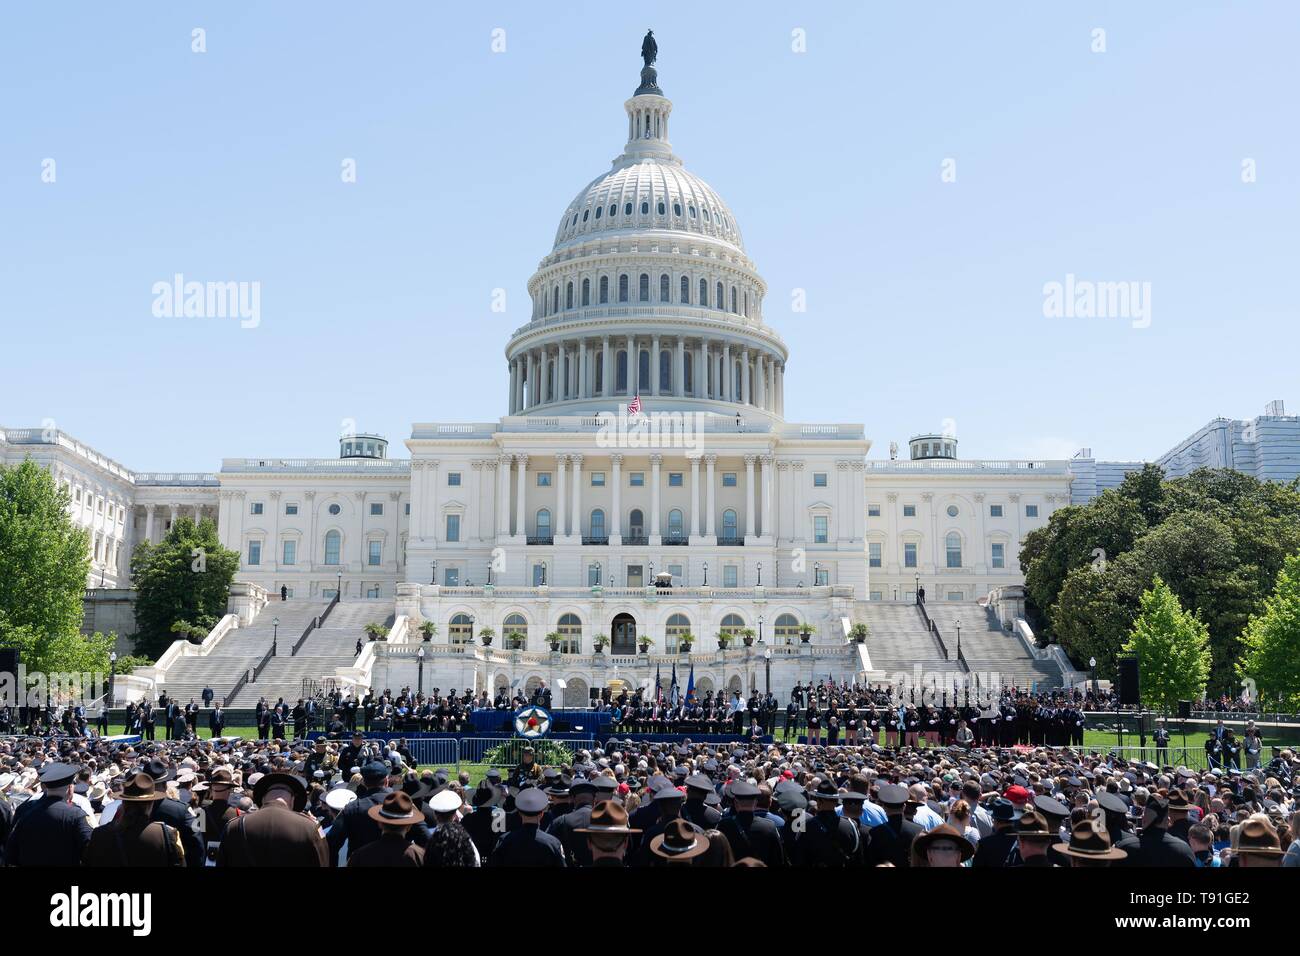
(516, 641)
(858, 633)
(554, 638)
(646, 644)
(598, 642)
(485, 634)
(724, 640)
(376, 631)
(806, 631)
(684, 641)
(428, 629)
(747, 636)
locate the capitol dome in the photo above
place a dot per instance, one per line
(647, 291)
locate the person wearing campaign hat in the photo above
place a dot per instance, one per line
(528, 845)
(1258, 843)
(748, 834)
(606, 834)
(942, 847)
(278, 832)
(396, 816)
(132, 839)
(679, 844)
(49, 830)
(355, 825)
(1035, 834)
(1090, 845)
(891, 842)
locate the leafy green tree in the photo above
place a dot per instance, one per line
(185, 578)
(1172, 647)
(44, 556)
(1272, 641)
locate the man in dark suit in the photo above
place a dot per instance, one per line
(207, 696)
(891, 842)
(748, 834)
(486, 824)
(354, 825)
(529, 845)
(49, 830)
(564, 828)
(1157, 846)
(278, 833)
(217, 721)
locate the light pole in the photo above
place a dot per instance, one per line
(597, 574)
(1092, 673)
(489, 572)
(706, 574)
(916, 589)
(338, 592)
(958, 625)
(760, 629)
(419, 656)
(112, 675)
(275, 634)
(767, 663)
(433, 573)
(760, 574)
(817, 574)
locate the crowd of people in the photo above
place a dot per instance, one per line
(359, 802)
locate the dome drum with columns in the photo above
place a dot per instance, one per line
(647, 290)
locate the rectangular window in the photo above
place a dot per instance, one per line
(995, 511)
(408, 508)
(676, 571)
(543, 479)
(1031, 511)
(819, 479)
(257, 507)
(598, 479)
(821, 577)
(728, 479)
(635, 576)
(909, 555)
(593, 575)
(873, 511)
(539, 575)
(820, 531)
(291, 509)
(288, 592)
(329, 593)
(956, 596)
(376, 509)
(451, 577)
(453, 479)
(999, 555)
(290, 552)
(674, 479)
(373, 592)
(453, 527)
(877, 596)
(909, 511)
(730, 576)
(376, 552)
(873, 554)
(254, 552)
(636, 479)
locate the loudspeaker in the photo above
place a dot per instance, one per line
(1130, 694)
(1184, 710)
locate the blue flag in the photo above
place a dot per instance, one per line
(690, 686)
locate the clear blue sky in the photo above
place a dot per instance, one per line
(925, 298)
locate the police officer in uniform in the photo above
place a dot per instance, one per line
(528, 845)
(49, 830)
(278, 833)
(176, 814)
(132, 839)
(354, 824)
(748, 834)
(829, 839)
(699, 786)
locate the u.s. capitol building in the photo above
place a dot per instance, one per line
(572, 519)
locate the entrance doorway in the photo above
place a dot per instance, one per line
(623, 635)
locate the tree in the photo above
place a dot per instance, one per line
(1272, 641)
(185, 577)
(45, 557)
(1172, 647)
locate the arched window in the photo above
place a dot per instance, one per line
(665, 286)
(686, 291)
(515, 624)
(645, 208)
(675, 523)
(678, 624)
(586, 292)
(691, 210)
(333, 541)
(953, 542)
(460, 630)
(729, 524)
(555, 302)
(613, 209)
(643, 369)
(660, 207)
(622, 287)
(620, 376)
(599, 210)
(600, 372)
(627, 209)
(677, 209)
(568, 295)
(544, 523)
(570, 628)
(585, 214)
(704, 293)
(732, 624)
(688, 379)
(733, 299)
(598, 523)
(604, 289)
(643, 288)
(636, 523)
(665, 370)
(719, 302)
(787, 629)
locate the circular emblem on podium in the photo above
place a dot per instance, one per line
(532, 722)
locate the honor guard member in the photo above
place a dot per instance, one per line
(528, 845)
(699, 786)
(749, 834)
(278, 833)
(49, 830)
(852, 804)
(132, 839)
(829, 839)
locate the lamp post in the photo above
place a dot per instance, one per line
(958, 625)
(338, 592)
(817, 574)
(916, 589)
(767, 663)
(760, 629)
(433, 573)
(489, 572)
(652, 574)
(275, 634)
(706, 574)
(760, 574)
(471, 628)
(419, 657)
(1092, 673)
(112, 675)
(597, 574)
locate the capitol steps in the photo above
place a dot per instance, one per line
(898, 639)
(990, 650)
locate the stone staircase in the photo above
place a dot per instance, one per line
(899, 639)
(989, 649)
(327, 648)
(239, 650)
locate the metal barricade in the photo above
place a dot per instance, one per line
(509, 751)
(435, 751)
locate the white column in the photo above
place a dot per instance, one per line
(746, 396)
(633, 366)
(148, 522)
(726, 376)
(695, 496)
(503, 496)
(584, 378)
(709, 497)
(655, 462)
(615, 519)
(760, 389)
(654, 365)
(560, 526)
(767, 496)
(749, 496)
(607, 375)
(576, 517)
(521, 524)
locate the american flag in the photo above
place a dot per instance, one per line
(634, 406)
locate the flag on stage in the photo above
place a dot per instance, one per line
(659, 686)
(634, 406)
(673, 690)
(690, 686)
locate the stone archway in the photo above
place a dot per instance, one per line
(622, 635)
